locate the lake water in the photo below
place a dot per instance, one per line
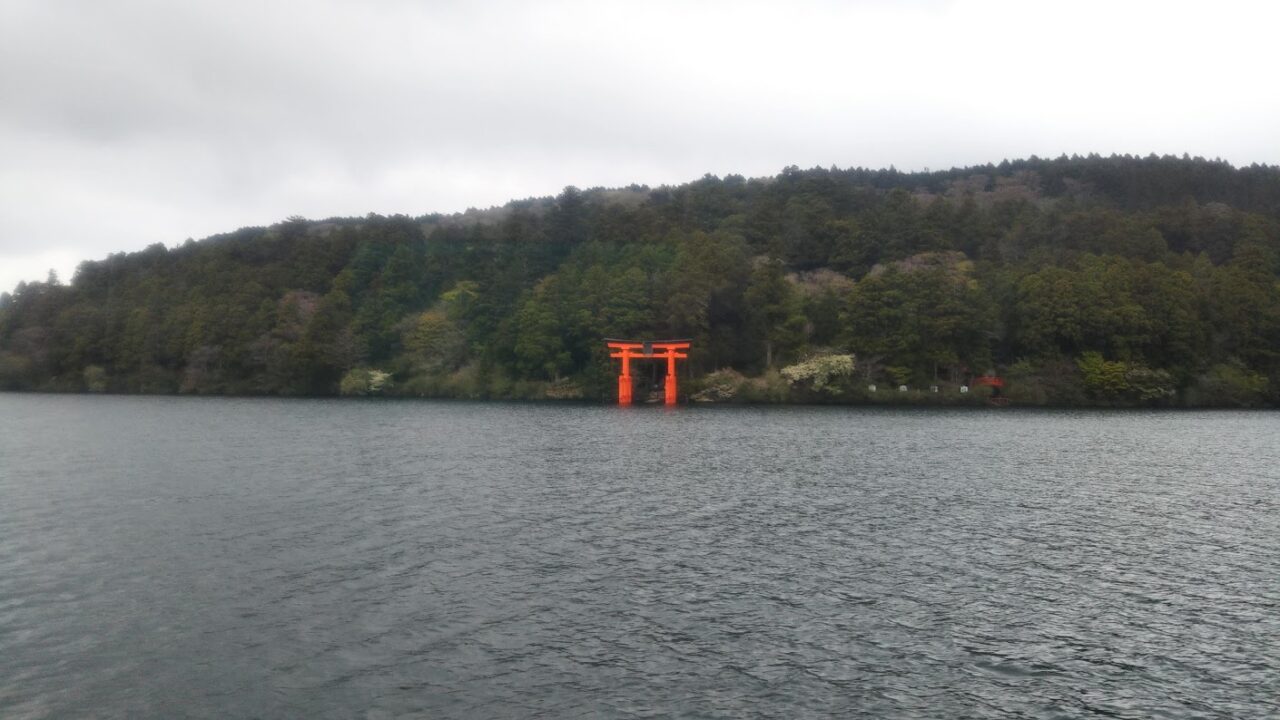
(178, 557)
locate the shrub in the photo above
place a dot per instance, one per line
(720, 386)
(1116, 380)
(1103, 378)
(820, 372)
(768, 388)
(365, 381)
(1232, 384)
(95, 379)
(564, 389)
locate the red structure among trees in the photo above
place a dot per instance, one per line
(996, 383)
(628, 350)
(992, 380)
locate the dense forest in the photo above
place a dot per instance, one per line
(1082, 281)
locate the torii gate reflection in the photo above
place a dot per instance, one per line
(628, 350)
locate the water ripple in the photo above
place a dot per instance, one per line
(164, 557)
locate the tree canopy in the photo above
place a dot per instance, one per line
(1085, 280)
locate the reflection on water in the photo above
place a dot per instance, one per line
(164, 557)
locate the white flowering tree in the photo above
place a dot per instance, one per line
(365, 381)
(820, 372)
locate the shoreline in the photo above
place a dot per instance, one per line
(915, 403)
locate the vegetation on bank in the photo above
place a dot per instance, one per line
(1083, 281)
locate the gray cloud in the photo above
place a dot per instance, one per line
(128, 123)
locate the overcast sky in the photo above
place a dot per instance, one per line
(129, 123)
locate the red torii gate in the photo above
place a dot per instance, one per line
(628, 350)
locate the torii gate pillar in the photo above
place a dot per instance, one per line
(671, 379)
(626, 350)
(624, 381)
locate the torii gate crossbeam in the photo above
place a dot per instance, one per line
(628, 350)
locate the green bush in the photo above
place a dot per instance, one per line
(95, 379)
(723, 385)
(768, 388)
(1118, 381)
(1231, 385)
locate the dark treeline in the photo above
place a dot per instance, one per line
(1082, 280)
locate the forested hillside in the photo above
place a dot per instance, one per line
(1094, 280)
